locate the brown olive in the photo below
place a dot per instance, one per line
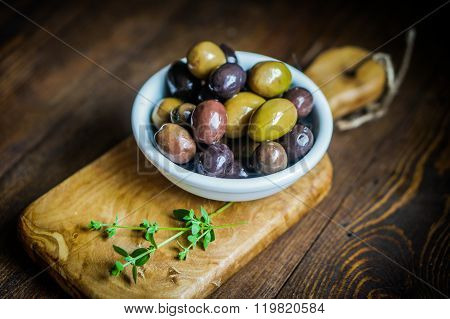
(161, 113)
(175, 143)
(182, 114)
(269, 158)
(209, 121)
(302, 99)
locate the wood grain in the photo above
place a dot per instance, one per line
(59, 112)
(53, 228)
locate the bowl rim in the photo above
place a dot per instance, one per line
(140, 117)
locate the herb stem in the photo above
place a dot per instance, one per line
(168, 240)
(125, 227)
(143, 228)
(149, 251)
(173, 228)
(221, 209)
(194, 243)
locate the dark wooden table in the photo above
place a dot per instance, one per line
(383, 231)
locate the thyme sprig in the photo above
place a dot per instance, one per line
(199, 230)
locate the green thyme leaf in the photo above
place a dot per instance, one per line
(145, 223)
(180, 213)
(149, 236)
(192, 238)
(116, 269)
(110, 231)
(182, 255)
(120, 251)
(195, 228)
(134, 273)
(95, 225)
(213, 235)
(205, 215)
(207, 239)
(143, 260)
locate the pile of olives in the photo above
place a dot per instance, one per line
(223, 121)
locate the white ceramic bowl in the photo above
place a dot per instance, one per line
(220, 188)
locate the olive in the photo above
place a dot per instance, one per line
(307, 121)
(269, 158)
(239, 110)
(230, 55)
(242, 148)
(302, 99)
(181, 82)
(209, 121)
(161, 113)
(269, 78)
(205, 93)
(175, 143)
(182, 114)
(272, 120)
(215, 160)
(297, 142)
(236, 171)
(227, 80)
(204, 57)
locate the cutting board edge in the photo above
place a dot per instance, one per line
(44, 261)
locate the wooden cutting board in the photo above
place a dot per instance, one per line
(53, 228)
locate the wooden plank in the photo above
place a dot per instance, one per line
(383, 222)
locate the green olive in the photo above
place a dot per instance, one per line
(239, 110)
(272, 120)
(161, 113)
(204, 57)
(269, 78)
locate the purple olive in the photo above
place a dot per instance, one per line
(236, 170)
(230, 55)
(227, 80)
(297, 142)
(269, 158)
(181, 82)
(215, 161)
(204, 93)
(209, 121)
(302, 99)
